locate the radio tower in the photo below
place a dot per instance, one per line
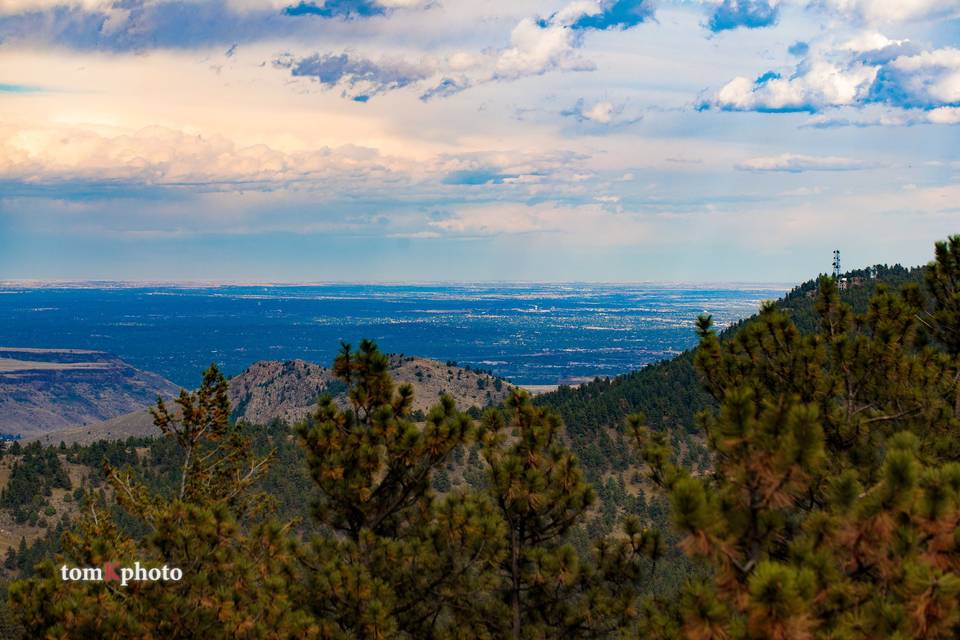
(836, 264)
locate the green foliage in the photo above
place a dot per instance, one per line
(811, 484)
(547, 589)
(833, 504)
(943, 281)
(393, 560)
(233, 584)
(32, 479)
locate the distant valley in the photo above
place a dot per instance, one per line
(44, 390)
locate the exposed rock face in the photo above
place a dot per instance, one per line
(286, 390)
(289, 391)
(43, 390)
(432, 378)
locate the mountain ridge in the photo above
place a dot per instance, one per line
(270, 390)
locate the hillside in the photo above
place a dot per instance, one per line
(269, 395)
(270, 390)
(670, 393)
(44, 390)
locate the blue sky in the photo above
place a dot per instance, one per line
(390, 140)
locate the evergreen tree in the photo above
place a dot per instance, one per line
(833, 503)
(233, 583)
(394, 561)
(547, 589)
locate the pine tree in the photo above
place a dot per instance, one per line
(396, 562)
(233, 583)
(833, 503)
(547, 589)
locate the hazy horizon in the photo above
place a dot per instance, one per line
(34, 283)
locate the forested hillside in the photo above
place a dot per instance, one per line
(671, 393)
(796, 476)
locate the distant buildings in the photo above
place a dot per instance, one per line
(844, 283)
(848, 283)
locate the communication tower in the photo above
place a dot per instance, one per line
(836, 263)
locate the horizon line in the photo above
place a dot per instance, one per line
(29, 283)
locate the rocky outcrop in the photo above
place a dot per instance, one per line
(289, 391)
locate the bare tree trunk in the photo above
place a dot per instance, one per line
(186, 471)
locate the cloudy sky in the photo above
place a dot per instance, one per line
(388, 140)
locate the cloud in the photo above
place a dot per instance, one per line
(162, 157)
(72, 162)
(358, 77)
(944, 115)
(492, 220)
(445, 88)
(478, 176)
(506, 168)
(869, 69)
(794, 163)
(336, 9)
(601, 112)
(594, 224)
(604, 114)
(815, 85)
(750, 14)
(883, 116)
(541, 45)
(927, 80)
(618, 14)
(536, 48)
(889, 11)
(134, 25)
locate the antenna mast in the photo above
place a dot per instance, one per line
(836, 264)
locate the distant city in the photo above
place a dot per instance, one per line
(530, 334)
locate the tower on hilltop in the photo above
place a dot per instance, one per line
(836, 263)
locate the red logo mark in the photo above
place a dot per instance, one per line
(110, 573)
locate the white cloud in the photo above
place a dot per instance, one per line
(536, 49)
(11, 7)
(820, 84)
(402, 4)
(586, 224)
(944, 115)
(158, 156)
(796, 163)
(601, 112)
(868, 69)
(240, 6)
(604, 114)
(890, 11)
(877, 115)
(541, 45)
(928, 80)
(870, 41)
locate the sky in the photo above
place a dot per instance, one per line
(480, 140)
